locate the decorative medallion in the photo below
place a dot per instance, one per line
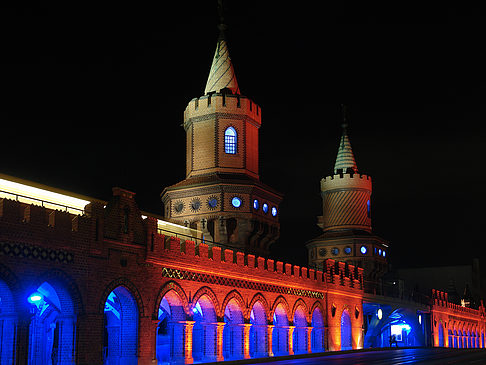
(212, 202)
(195, 204)
(179, 206)
(322, 252)
(335, 250)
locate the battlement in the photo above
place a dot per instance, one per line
(223, 103)
(224, 260)
(440, 299)
(346, 181)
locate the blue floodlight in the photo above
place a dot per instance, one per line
(363, 250)
(34, 298)
(236, 202)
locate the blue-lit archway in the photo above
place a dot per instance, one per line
(52, 326)
(300, 331)
(8, 319)
(441, 335)
(204, 330)
(170, 329)
(384, 323)
(317, 334)
(280, 332)
(258, 331)
(233, 331)
(121, 328)
(346, 339)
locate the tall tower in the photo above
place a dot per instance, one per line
(346, 220)
(222, 195)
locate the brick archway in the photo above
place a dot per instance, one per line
(281, 300)
(129, 286)
(167, 287)
(258, 297)
(210, 294)
(234, 294)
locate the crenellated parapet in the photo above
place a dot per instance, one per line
(224, 104)
(346, 181)
(188, 259)
(440, 300)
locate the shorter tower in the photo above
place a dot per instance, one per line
(346, 220)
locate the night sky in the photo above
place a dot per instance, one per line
(93, 97)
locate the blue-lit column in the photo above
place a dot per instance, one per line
(309, 339)
(22, 338)
(66, 339)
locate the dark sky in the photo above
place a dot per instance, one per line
(93, 97)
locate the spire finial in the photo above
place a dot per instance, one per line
(222, 25)
(345, 158)
(222, 74)
(345, 122)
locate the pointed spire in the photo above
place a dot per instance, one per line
(345, 157)
(222, 74)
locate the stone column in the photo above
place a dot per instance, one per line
(334, 338)
(309, 339)
(188, 326)
(270, 328)
(291, 339)
(66, 339)
(219, 341)
(22, 340)
(246, 340)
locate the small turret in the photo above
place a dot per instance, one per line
(346, 220)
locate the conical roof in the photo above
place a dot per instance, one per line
(222, 74)
(345, 157)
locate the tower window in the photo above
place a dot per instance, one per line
(230, 140)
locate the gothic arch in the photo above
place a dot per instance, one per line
(317, 304)
(258, 297)
(301, 303)
(167, 287)
(127, 284)
(64, 283)
(281, 300)
(205, 290)
(234, 294)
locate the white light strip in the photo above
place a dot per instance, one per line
(22, 193)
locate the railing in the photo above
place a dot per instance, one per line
(196, 239)
(42, 203)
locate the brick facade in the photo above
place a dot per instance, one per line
(111, 248)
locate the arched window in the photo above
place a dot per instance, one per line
(230, 140)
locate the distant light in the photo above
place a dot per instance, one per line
(363, 249)
(265, 208)
(379, 252)
(274, 211)
(236, 202)
(384, 253)
(420, 319)
(379, 313)
(256, 204)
